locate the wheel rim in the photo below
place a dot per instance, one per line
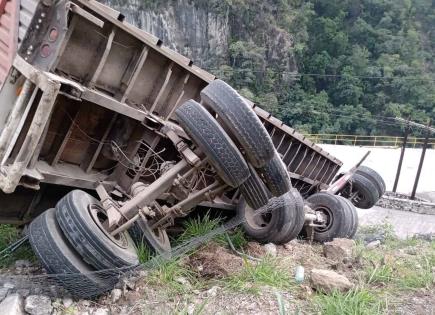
(327, 213)
(99, 216)
(255, 220)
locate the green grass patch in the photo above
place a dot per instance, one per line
(8, 235)
(267, 272)
(355, 302)
(416, 273)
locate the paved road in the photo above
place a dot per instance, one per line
(405, 224)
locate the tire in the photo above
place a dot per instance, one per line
(294, 219)
(338, 220)
(96, 246)
(241, 120)
(367, 192)
(254, 191)
(354, 215)
(60, 259)
(214, 142)
(159, 244)
(275, 176)
(374, 177)
(262, 228)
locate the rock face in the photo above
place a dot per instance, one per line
(339, 249)
(12, 305)
(38, 305)
(329, 281)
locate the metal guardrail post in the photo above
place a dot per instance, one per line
(402, 154)
(420, 166)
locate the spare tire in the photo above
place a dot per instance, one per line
(79, 216)
(241, 120)
(60, 259)
(214, 142)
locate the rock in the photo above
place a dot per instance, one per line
(38, 305)
(183, 281)
(116, 295)
(101, 311)
(23, 292)
(3, 293)
(23, 264)
(212, 292)
(271, 249)
(67, 302)
(328, 281)
(12, 305)
(9, 285)
(339, 249)
(373, 244)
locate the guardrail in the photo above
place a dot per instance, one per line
(368, 141)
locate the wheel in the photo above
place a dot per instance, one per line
(241, 120)
(157, 240)
(275, 176)
(338, 221)
(363, 193)
(374, 177)
(254, 191)
(214, 142)
(60, 259)
(353, 214)
(262, 227)
(80, 217)
(294, 218)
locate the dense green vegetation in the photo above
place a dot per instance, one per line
(358, 60)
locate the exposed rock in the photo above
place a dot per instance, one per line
(212, 292)
(67, 302)
(12, 305)
(373, 244)
(339, 249)
(101, 311)
(23, 264)
(116, 295)
(3, 293)
(271, 249)
(38, 305)
(328, 281)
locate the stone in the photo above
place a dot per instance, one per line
(12, 305)
(3, 293)
(9, 285)
(212, 292)
(327, 281)
(373, 244)
(67, 302)
(38, 305)
(339, 249)
(116, 295)
(271, 250)
(23, 264)
(183, 281)
(101, 311)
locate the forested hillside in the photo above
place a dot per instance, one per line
(322, 66)
(357, 59)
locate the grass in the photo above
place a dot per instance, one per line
(267, 272)
(8, 235)
(355, 302)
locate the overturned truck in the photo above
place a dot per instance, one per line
(108, 134)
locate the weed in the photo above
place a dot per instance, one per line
(8, 235)
(197, 227)
(264, 273)
(380, 274)
(144, 253)
(355, 302)
(416, 274)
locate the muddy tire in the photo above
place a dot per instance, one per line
(241, 120)
(60, 259)
(367, 192)
(78, 214)
(275, 176)
(254, 191)
(374, 177)
(205, 132)
(338, 220)
(294, 218)
(262, 227)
